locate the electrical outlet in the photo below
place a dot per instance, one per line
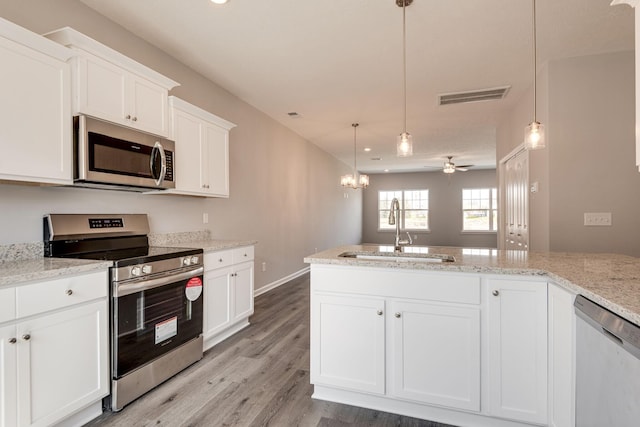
(264, 266)
(205, 218)
(597, 219)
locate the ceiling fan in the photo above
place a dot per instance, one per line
(450, 167)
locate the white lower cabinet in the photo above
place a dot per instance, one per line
(56, 362)
(228, 293)
(459, 348)
(348, 342)
(435, 354)
(517, 345)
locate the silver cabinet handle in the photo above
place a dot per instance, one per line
(69, 292)
(380, 312)
(496, 293)
(12, 340)
(26, 337)
(397, 315)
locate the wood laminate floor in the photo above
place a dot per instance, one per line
(258, 377)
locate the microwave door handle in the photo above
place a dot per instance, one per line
(157, 147)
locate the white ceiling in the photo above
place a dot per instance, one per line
(336, 62)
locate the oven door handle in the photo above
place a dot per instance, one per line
(132, 288)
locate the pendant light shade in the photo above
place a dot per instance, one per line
(404, 145)
(354, 180)
(534, 138)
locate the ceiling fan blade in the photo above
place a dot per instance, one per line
(464, 166)
(461, 169)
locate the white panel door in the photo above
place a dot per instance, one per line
(35, 135)
(149, 106)
(516, 195)
(217, 300)
(63, 363)
(348, 342)
(8, 377)
(215, 152)
(242, 291)
(101, 90)
(517, 340)
(186, 131)
(435, 351)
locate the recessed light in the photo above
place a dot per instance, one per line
(219, 1)
(386, 170)
(367, 149)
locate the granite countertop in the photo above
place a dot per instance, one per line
(610, 280)
(211, 245)
(14, 272)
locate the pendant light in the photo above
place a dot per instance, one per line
(356, 180)
(534, 133)
(404, 145)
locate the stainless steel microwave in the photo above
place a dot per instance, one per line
(115, 157)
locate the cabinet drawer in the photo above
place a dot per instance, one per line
(243, 254)
(213, 260)
(53, 294)
(7, 304)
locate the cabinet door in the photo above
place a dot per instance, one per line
(186, 130)
(435, 354)
(149, 106)
(215, 152)
(101, 90)
(8, 400)
(217, 300)
(62, 363)
(348, 342)
(517, 339)
(36, 88)
(242, 291)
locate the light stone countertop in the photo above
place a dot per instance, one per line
(610, 280)
(15, 270)
(13, 273)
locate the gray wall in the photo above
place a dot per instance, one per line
(285, 191)
(445, 206)
(587, 104)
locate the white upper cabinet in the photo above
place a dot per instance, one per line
(113, 87)
(202, 147)
(36, 88)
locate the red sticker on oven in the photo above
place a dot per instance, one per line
(193, 289)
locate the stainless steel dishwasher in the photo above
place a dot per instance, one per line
(607, 368)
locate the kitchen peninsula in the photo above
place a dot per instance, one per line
(486, 340)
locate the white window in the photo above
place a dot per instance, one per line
(479, 209)
(414, 209)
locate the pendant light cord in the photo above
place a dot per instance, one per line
(404, 61)
(355, 125)
(535, 64)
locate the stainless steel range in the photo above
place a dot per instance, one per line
(156, 297)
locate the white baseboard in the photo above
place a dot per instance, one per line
(271, 286)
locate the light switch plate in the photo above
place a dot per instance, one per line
(597, 219)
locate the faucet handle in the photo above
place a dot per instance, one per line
(410, 239)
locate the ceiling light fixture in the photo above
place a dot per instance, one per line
(534, 133)
(404, 145)
(219, 1)
(355, 181)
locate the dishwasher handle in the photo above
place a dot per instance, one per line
(616, 328)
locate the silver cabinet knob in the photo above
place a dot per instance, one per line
(380, 312)
(397, 315)
(69, 292)
(135, 119)
(220, 260)
(496, 293)
(26, 337)
(128, 116)
(12, 340)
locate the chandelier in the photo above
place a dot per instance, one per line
(355, 180)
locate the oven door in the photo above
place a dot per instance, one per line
(153, 316)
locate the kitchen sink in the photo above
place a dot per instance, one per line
(398, 257)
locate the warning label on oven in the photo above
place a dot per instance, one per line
(166, 329)
(193, 289)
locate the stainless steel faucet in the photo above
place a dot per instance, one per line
(395, 207)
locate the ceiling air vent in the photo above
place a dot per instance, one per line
(293, 115)
(473, 96)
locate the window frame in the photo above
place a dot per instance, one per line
(493, 221)
(403, 211)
